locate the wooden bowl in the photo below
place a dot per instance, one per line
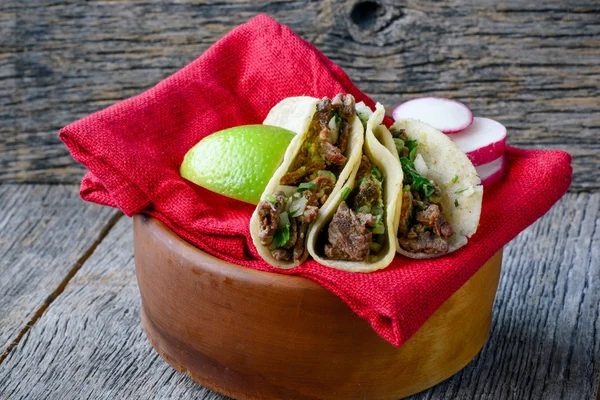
(256, 335)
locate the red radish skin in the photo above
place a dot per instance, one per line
(483, 141)
(449, 116)
(492, 171)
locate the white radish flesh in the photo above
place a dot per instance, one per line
(492, 171)
(449, 116)
(483, 141)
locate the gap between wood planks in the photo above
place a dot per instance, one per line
(63, 284)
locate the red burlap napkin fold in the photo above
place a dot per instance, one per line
(133, 151)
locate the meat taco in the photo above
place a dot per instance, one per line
(356, 232)
(441, 196)
(316, 165)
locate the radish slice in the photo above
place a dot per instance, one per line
(449, 116)
(492, 171)
(483, 141)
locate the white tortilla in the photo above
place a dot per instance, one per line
(392, 186)
(296, 114)
(443, 162)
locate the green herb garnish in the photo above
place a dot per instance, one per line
(271, 199)
(411, 145)
(455, 179)
(399, 144)
(413, 154)
(307, 185)
(462, 190)
(345, 193)
(455, 202)
(281, 236)
(375, 172)
(375, 247)
(416, 180)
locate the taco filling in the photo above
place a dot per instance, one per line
(422, 227)
(357, 230)
(286, 214)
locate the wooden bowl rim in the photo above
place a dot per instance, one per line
(214, 265)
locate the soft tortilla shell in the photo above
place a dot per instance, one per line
(445, 161)
(392, 186)
(296, 114)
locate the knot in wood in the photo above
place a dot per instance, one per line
(365, 14)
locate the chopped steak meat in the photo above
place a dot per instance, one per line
(332, 154)
(429, 232)
(282, 254)
(432, 217)
(269, 217)
(292, 178)
(369, 191)
(349, 238)
(300, 243)
(425, 242)
(364, 168)
(325, 187)
(405, 213)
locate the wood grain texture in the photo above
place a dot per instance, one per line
(45, 230)
(544, 342)
(534, 66)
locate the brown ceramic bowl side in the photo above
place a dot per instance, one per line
(257, 335)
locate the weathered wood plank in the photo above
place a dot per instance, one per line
(544, 342)
(534, 66)
(45, 231)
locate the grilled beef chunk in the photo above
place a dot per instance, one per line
(427, 232)
(282, 254)
(432, 217)
(405, 213)
(369, 191)
(269, 217)
(349, 238)
(424, 242)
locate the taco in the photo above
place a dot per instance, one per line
(441, 196)
(357, 231)
(316, 164)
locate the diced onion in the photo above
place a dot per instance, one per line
(420, 165)
(334, 129)
(298, 206)
(363, 112)
(284, 219)
(287, 190)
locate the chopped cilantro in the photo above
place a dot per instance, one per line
(416, 180)
(411, 145)
(270, 198)
(375, 172)
(281, 236)
(307, 185)
(413, 154)
(455, 179)
(455, 202)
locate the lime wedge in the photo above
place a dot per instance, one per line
(237, 162)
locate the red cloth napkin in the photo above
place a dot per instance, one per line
(133, 151)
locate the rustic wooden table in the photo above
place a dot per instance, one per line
(69, 304)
